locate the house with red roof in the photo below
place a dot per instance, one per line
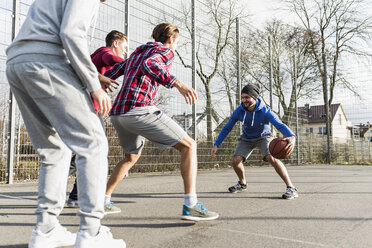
(314, 121)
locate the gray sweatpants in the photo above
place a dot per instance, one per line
(59, 117)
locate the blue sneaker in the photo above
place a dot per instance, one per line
(111, 209)
(198, 212)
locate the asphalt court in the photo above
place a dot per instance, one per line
(334, 209)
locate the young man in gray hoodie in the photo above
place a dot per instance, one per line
(53, 79)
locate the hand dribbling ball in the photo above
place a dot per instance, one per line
(277, 148)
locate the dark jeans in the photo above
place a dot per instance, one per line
(74, 193)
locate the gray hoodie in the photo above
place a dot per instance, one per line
(60, 28)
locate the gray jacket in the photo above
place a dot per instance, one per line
(60, 28)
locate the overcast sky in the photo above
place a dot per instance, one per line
(357, 108)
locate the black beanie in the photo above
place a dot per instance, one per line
(251, 89)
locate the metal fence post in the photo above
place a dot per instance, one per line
(126, 32)
(193, 61)
(270, 77)
(126, 24)
(11, 133)
(296, 108)
(238, 75)
(3, 138)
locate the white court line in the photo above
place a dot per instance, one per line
(273, 237)
(17, 198)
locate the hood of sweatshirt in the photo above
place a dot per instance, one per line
(99, 50)
(153, 45)
(259, 105)
(148, 45)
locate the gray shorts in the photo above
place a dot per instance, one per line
(245, 146)
(156, 127)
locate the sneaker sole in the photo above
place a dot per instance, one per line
(290, 198)
(118, 243)
(193, 218)
(55, 245)
(51, 244)
(113, 212)
(238, 191)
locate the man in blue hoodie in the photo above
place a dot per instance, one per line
(255, 117)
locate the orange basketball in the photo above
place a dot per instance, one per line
(277, 150)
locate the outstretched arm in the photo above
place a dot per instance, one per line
(278, 124)
(111, 59)
(107, 83)
(285, 130)
(117, 70)
(227, 128)
(213, 152)
(188, 93)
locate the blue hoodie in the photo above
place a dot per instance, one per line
(254, 124)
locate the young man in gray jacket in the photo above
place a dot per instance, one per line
(52, 78)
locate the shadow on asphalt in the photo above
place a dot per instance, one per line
(139, 225)
(263, 218)
(17, 224)
(159, 225)
(201, 195)
(4, 214)
(247, 194)
(14, 246)
(267, 218)
(17, 206)
(19, 194)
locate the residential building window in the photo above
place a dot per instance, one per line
(322, 130)
(309, 130)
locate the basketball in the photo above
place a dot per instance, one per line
(276, 148)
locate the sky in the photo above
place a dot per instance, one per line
(358, 108)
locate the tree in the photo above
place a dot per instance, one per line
(335, 28)
(228, 75)
(286, 41)
(218, 18)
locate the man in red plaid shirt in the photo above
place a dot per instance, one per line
(136, 117)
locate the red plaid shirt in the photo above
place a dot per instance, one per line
(145, 69)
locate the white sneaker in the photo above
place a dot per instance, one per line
(101, 240)
(56, 237)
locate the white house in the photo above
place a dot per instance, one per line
(315, 122)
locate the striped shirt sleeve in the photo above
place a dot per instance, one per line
(117, 70)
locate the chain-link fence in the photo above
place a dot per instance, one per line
(277, 56)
